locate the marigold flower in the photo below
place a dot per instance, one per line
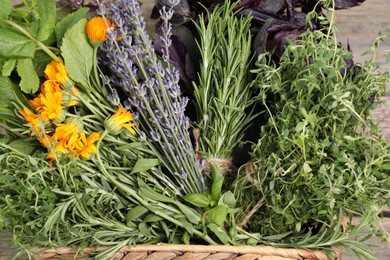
(84, 146)
(57, 151)
(96, 30)
(56, 71)
(32, 119)
(49, 106)
(120, 120)
(67, 133)
(50, 86)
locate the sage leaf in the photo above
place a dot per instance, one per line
(29, 79)
(5, 9)
(78, 54)
(67, 22)
(145, 164)
(14, 45)
(46, 11)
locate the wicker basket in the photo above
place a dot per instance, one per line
(186, 252)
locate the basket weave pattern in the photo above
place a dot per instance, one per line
(183, 252)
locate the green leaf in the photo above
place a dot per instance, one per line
(135, 213)
(228, 200)
(67, 22)
(78, 54)
(145, 164)
(29, 79)
(218, 215)
(25, 146)
(218, 179)
(144, 230)
(220, 233)
(6, 91)
(8, 67)
(15, 45)
(5, 9)
(197, 199)
(46, 11)
(40, 61)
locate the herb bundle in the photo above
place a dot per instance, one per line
(96, 115)
(223, 94)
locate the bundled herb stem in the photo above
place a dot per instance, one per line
(223, 94)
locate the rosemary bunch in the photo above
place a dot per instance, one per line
(223, 94)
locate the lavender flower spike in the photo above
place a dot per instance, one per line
(152, 91)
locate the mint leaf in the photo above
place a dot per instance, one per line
(5, 9)
(67, 22)
(8, 67)
(15, 45)
(6, 91)
(78, 53)
(29, 79)
(47, 17)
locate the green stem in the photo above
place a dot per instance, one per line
(132, 193)
(28, 34)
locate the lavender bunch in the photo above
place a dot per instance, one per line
(151, 89)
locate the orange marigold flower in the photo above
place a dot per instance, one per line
(84, 146)
(32, 119)
(67, 133)
(57, 151)
(120, 120)
(96, 30)
(56, 71)
(50, 86)
(49, 106)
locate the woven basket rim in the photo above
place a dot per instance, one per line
(264, 251)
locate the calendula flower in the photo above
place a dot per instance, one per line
(96, 30)
(121, 119)
(67, 133)
(49, 106)
(57, 151)
(32, 119)
(52, 86)
(84, 145)
(56, 71)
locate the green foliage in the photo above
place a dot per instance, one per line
(224, 91)
(320, 152)
(15, 45)
(46, 17)
(68, 22)
(78, 54)
(5, 8)
(6, 91)
(29, 82)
